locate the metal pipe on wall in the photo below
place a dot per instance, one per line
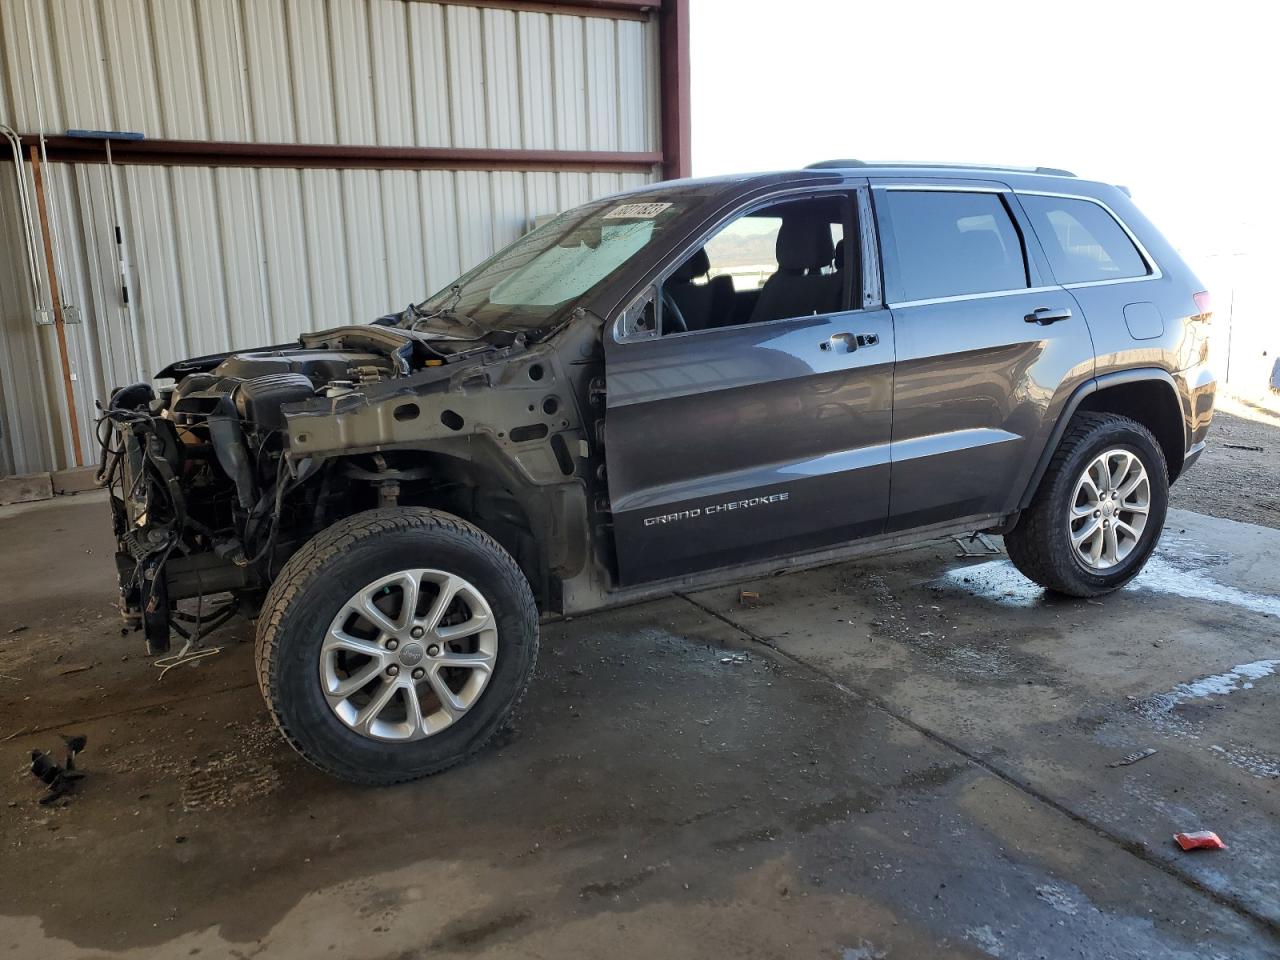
(37, 291)
(58, 320)
(24, 206)
(52, 242)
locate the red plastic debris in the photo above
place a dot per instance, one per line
(1200, 840)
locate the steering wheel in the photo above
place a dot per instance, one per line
(672, 318)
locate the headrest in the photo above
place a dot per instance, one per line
(839, 258)
(804, 242)
(695, 266)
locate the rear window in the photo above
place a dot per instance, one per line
(952, 243)
(1082, 240)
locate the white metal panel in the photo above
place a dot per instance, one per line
(501, 78)
(430, 68)
(178, 76)
(267, 64)
(77, 40)
(131, 76)
(402, 228)
(23, 445)
(239, 221)
(331, 274)
(384, 72)
(151, 227)
(392, 83)
(6, 102)
(84, 345)
(202, 277)
(601, 84)
(634, 98)
(222, 56)
(509, 216)
(540, 196)
(463, 41)
(568, 73)
(440, 219)
(574, 189)
(29, 61)
(350, 68)
(537, 100)
(366, 252)
(286, 270)
(474, 216)
(312, 80)
(238, 257)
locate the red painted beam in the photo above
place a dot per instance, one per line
(609, 9)
(217, 153)
(673, 56)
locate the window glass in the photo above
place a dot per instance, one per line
(572, 266)
(746, 251)
(950, 244)
(774, 263)
(534, 281)
(1082, 241)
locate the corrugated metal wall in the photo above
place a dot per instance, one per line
(233, 257)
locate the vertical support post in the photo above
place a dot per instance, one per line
(59, 326)
(673, 60)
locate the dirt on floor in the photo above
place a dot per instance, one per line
(1238, 477)
(918, 755)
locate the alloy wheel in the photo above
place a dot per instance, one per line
(408, 655)
(1109, 509)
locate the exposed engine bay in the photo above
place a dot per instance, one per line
(207, 497)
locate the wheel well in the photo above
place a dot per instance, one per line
(1152, 403)
(469, 491)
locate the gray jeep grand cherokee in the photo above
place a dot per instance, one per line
(695, 382)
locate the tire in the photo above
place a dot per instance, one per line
(1040, 545)
(340, 566)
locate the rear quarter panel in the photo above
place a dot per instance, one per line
(1181, 349)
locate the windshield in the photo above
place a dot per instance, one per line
(530, 283)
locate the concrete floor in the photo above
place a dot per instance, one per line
(905, 757)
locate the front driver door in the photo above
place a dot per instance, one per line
(735, 443)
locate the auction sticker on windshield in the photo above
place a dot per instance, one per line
(645, 211)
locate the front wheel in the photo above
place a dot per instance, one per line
(1099, 510)
(394, 644)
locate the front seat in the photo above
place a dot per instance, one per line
(799, 289)
(703, 305)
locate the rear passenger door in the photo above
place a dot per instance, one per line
(988, 348)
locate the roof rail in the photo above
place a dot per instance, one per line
(840, 164)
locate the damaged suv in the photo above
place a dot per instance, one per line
(690, 383)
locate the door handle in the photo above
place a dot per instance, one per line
(851, 341)
(1047, 315)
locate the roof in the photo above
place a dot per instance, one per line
(922, 164)
(1019, 178)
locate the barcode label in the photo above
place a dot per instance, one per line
(644, 211)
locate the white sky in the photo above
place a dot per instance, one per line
(1178, 101)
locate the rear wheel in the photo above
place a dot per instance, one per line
(1099, 510)
(395, 643)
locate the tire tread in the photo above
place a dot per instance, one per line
(332, 542)
(1032, 545)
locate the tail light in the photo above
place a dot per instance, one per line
(1204, 306)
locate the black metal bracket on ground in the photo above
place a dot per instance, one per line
(985, 547)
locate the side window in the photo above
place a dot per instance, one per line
(788, 259)
(951, 243)
(746, 251)
(1082, 241)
